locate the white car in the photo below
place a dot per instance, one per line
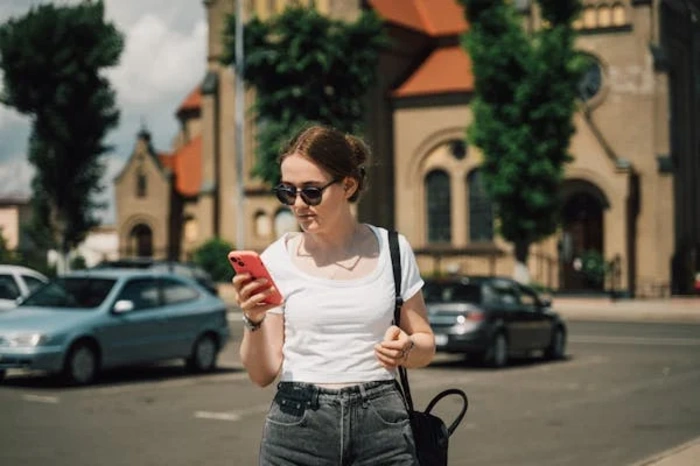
(17, 282)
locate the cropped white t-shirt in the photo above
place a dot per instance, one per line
(331, 326)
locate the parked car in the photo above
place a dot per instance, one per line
(186, 269)
(492, 318)
(83, 322)
(17, 282)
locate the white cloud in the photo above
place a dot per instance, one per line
(158, 60)
(15, 177)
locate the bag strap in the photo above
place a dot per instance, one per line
(403, 374)
(398, 303)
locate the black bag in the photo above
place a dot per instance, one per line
(430, 433)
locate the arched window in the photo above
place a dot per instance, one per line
(285, 222)
(437, 200)
(480, 209)
(604, 16)
(141, 184)
(619, 15)
(140, 241)
(263, 229)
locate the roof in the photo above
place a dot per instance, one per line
(431, 17)
(186, 164)
(192, 102)
(447, 69)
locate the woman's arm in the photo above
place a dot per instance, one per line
(412, 345)
(261, 349)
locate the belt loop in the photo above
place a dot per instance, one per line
(363, 394)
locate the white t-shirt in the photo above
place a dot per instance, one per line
(331, 326)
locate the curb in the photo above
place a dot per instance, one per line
(686, 454)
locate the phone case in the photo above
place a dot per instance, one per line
(250, 262)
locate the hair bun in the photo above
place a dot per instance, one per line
(360, 151)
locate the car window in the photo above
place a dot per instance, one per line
(8, 287)
(528, 298)
(143, 292)
(175, 291)
(506, 293)
(435, 292)
(72, 292)
(33, 283)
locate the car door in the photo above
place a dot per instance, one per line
(137, 335)
(534, 319)
(183, 316)
(510, 312)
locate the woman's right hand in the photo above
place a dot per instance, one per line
(250, 294)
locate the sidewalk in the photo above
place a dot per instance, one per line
(677, 310)
(687, 454)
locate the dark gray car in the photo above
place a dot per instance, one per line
(492, 318)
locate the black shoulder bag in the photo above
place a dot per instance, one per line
(430, 433)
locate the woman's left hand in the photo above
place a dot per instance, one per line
(394, 350)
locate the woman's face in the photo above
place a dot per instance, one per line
(299, 171)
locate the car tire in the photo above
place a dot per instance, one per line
(496, 354)
(204, 354)
(557, 346)
(81, 365)
(2, 374)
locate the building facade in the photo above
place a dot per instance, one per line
(618, 194)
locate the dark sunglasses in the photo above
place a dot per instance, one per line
(311, 195)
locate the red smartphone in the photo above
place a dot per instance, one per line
(250, 262)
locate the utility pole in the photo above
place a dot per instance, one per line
(240, 117)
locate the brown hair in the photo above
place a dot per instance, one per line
(341, 155)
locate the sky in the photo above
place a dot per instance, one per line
(163, 59)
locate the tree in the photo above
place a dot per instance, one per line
(211, 256)
(306, 67)
(52, 59)
(524, 100)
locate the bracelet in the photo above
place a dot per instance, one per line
(251, 324)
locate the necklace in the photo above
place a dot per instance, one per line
(351, 258)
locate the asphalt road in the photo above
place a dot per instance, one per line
(626, 392)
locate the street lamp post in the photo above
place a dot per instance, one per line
(240, 117)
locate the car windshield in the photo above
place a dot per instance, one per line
(73, 292)
(436, 292)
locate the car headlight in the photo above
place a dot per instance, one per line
(26, 339)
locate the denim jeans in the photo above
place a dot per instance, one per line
(361, 425)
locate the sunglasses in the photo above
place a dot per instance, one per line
(311, 195)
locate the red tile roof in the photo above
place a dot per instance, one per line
(431, 17)
(192, 102)
(186, 165)
(447, 69)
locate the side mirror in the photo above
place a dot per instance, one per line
(546, 302)
(123, 305)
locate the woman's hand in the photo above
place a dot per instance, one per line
(250, 294)
(394, 350)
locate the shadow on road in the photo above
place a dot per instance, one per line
(115, 377)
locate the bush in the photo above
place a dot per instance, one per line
(211, 256)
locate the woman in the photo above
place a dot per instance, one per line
(332, 342)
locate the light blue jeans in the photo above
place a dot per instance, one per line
(363, 425)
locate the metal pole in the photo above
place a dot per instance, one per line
(240, 117)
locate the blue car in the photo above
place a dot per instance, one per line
(84, 322)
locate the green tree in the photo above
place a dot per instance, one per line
(53, 59)
(306, 67)
(525, 97)
(212, 257)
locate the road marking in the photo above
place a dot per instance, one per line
(620, 340)
(232, 416)
(41, 399)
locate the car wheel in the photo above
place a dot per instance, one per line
(2, 374)
(497, 353)
(204, 354)
(81, 364)
(557, 347)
